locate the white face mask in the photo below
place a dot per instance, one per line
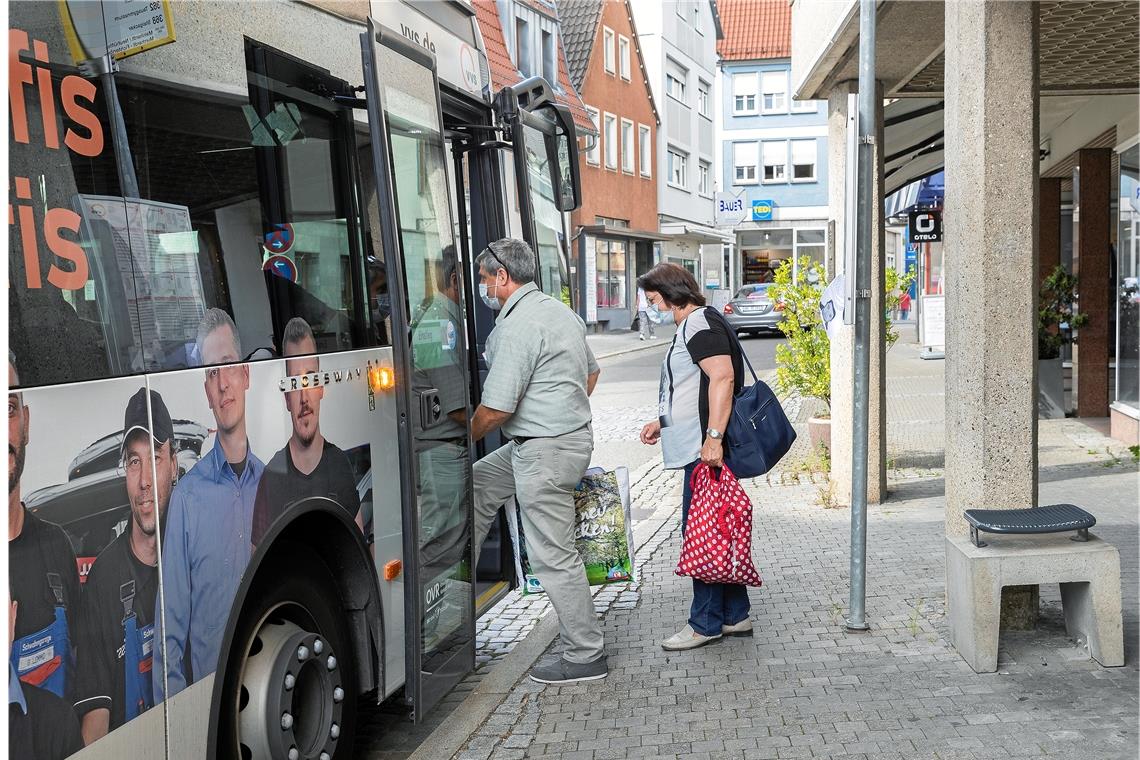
(492, 303)
(656, 316)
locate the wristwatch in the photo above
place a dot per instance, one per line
(714, 433)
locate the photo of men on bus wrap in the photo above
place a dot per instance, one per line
(170, 470)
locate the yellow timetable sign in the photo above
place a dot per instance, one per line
(119, 27)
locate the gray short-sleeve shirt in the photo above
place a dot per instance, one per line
(539, 361)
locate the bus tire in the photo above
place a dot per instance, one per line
(290, 676)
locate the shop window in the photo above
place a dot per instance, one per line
(744, 87)
(775, 154)
(611, 273)
(1128, 282)
(745, 156)
(611, 143)
(627, 146)
(645, 150)
(803, 160)
(775, 91)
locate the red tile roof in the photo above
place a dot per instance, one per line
(755, 29)
(503, 70)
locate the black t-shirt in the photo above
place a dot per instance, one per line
(100, 650)
(282, 484)
(715, 341)
(49, 730)
(42, 548)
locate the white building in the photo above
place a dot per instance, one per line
(679, 40)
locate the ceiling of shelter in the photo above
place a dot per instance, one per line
(1090, 45)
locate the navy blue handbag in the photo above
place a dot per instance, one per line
(758, 433)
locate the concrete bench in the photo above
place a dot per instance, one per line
(1087, 571)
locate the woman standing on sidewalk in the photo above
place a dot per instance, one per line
(699, 377)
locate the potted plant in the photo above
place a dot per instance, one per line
(1057, 318)
(803, 362)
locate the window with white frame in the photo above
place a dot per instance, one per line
(627, 146)
(774, 91)
(675, 81)
(775, 155)
(595, 117)
(803, 160)
(623, 56)
(522, 47)
(608, 44)
(645, 150)
(611, 144)
(805, 106)
(745, 157)
(678, 169)
(704, 178)
(744, 88)
(703, 105)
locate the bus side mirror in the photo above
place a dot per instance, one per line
(563, 150)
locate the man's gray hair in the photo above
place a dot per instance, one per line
(214, 319)
(510, 254)
(296, 331)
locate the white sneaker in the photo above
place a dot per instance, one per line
(641, 337)
(686, 638)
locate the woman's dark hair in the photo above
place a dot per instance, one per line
(673, 283)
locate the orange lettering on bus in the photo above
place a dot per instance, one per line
(65, 219)
(77, 87)
(19, 74)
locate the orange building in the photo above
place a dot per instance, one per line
(614, 230)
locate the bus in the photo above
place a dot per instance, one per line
(243, 349)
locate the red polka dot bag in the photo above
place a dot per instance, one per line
(718, 534)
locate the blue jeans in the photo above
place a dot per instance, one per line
(714, 604)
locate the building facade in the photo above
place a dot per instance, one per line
(773, 148)
(679, 40)
(615, 229)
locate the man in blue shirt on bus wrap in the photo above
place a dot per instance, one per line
(206, 544)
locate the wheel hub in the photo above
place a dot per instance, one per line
(292, 697)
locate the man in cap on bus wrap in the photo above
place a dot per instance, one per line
(206, 544)
(537, 391)
(309, 465)
(120, 596)
(43, 579)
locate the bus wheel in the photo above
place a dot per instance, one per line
(294, 685)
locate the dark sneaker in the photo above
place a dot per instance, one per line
(563, 671)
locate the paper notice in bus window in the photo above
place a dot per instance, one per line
(156, 253)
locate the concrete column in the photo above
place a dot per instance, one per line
(843, 347)
(991, 257)
(1049, 230)
(1092, 267)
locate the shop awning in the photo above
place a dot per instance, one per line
(602, 229)
(914, 141)
(698, 232)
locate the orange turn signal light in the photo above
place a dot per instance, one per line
(393, 569)
(382, 378)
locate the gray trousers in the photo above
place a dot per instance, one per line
(543, 473)
(645, 325)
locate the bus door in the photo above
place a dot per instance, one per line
(545, 147)
(428, 317)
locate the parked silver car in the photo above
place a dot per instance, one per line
(751, 311)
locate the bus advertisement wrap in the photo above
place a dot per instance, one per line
(188, 471)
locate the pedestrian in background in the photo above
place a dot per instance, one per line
(537, 391)
(699, 378)
(904, 305)
(644, 324)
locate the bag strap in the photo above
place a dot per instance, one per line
(735, 342)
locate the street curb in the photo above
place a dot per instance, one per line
(467, 717)
(610, 355)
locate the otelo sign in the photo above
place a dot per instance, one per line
(926, 226)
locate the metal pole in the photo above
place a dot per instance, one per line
(128, 181)
(856, 620)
